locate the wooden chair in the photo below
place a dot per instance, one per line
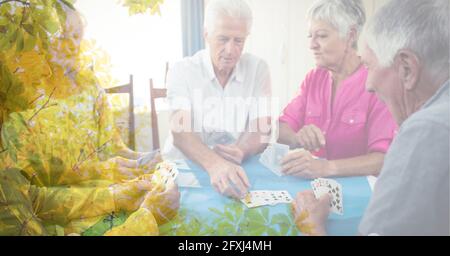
(156, 93)
(127, 88)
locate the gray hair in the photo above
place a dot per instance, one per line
(420, 26)
(238, 9)
(341, 14)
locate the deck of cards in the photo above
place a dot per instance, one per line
(334, 189)
(165, 171)
(272, 156)
(260, 198)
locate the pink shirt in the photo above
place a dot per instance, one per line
(355, 124)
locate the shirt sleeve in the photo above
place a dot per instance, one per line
(381, 127)
(261, 102)
(177, 88)
(293, 114)
(411, 196)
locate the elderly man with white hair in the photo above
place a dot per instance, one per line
(407, 55)
(219, 100)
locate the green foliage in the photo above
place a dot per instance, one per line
(233, 220)
(106, 224)
(34, 25)
(142, 6)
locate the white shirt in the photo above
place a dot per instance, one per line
(192, 86)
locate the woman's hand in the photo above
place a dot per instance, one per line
(311, 138)
(303, 164)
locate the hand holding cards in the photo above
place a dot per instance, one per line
(164, 172)
(259, 198)
(272, 157)
(334, 189)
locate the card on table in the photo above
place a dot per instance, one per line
(187, 180)
(259, 198)
(334, 189)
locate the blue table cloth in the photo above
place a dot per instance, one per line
(203, 211)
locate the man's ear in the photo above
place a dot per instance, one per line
(408, 68)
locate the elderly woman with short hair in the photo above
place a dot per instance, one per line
(344, 130)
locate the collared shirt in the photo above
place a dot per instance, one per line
(411, 196)
(355, 124)
(192, 85)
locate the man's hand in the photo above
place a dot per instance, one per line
(163, 204)
(231, 153)
(311, 214)
(311, 138)
(229, 179)
(151, 159)
(303, 164)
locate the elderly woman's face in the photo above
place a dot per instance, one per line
(328, 47)
(227, 42)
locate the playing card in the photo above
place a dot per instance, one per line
(272, 156)
(252, 200)
(181, 164)
(281, 197)
(187, 180)
(165, 171)
(334, 189)
(259, 198)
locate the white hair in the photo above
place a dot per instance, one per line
(416, 25)
(217, 9)
(341, 14)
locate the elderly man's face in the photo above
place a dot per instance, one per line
(227, 42)
(385, 82)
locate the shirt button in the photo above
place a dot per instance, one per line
(352, 121)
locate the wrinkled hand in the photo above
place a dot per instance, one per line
(129, 195)
(231, 153)
(229, 179)
(151, 165)
(303, 164)
(121, 169)
(311, 214)
(163, 205)
(311, 138)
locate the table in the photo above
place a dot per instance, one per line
(205, 212)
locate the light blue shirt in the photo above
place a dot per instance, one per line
(411, 196)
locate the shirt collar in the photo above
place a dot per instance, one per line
(442, 92)
(238, 72)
